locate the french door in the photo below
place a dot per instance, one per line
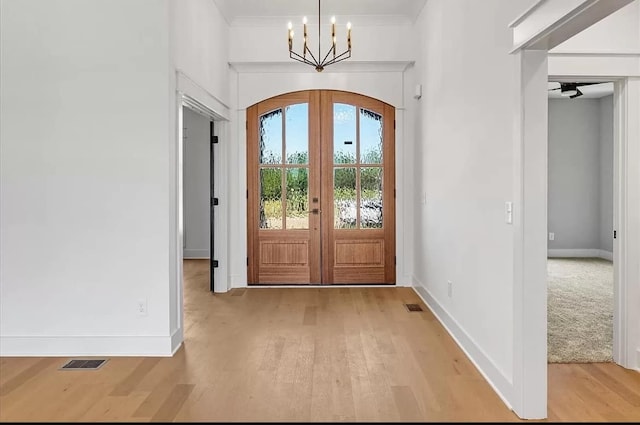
(321, 189)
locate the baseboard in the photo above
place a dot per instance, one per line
(74, 346)
(580, 253)
(176, 340)
(195, 254)
(491, 373)
(606, 255)
(237, 282)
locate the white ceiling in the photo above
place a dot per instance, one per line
(594, 91)
(232, 9)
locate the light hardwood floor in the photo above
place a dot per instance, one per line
(330, 354)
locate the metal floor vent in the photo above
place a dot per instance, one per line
(413, 307)
(91, 364)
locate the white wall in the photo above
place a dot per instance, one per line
(471, 134)
(374, 39)
(574, 173)
(196, 185)
(606, 174)
(84, 200)
(610, 47)
(618, 32)
(200, 45)
(464, 168)
(91, 168)
(381, 53)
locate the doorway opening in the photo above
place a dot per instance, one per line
(321, 189)
(581, 284)
(198, 233)
(199, 201)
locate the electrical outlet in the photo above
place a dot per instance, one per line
(449, 288)
(142, 307)
(552, 236)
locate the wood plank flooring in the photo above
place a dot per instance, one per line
(311, 354)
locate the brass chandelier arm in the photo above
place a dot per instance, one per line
(342, 56)
(320, 66)
(296, 56)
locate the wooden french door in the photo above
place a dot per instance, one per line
(321, 189)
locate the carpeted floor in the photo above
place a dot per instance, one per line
(579, 310)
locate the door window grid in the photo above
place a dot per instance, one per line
(284, 187)
(357, 184)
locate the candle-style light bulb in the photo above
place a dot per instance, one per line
(290, 26)
(349, 35)
(290, 36)
(304, 47)
(333, 35)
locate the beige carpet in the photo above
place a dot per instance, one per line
(580, 310)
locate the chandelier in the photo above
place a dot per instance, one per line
(308, 57)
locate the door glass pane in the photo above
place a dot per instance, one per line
(344, 133)
(344, 198)
(271, 137)
(271, 198)
(371, 197)
(297, 198)
(297, 133)
(370, 137)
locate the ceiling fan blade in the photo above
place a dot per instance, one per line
(557, 88)
(589, 84)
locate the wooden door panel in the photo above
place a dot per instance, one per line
(359, 260)
(368, 276)
(284, 257)
(283, 249)
(280, 252)
(359, 253)
(353, 253)
(350, 234)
